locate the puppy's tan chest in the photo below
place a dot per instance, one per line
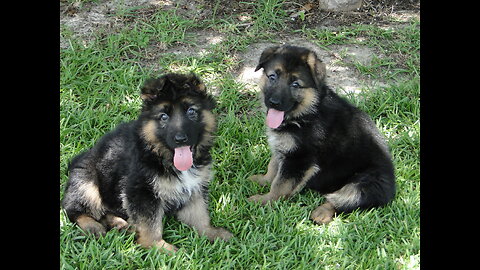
(187, 183)
(281, 142)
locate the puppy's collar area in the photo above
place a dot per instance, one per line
(287, 125)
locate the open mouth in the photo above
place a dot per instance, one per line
(274, 118)
(183, 158)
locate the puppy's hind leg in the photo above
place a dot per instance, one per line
(114, 222)
(348, 197)
(323, 214)
(90, 225)
(82, 201)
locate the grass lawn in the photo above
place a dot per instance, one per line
(99, 88)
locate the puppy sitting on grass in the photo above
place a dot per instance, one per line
(318, 140)
(145, 169)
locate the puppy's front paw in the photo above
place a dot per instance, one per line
(218, 232)
(263, 199)
(223, 234)
(165, 247)
(323, 214)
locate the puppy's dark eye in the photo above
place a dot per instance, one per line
(191, 112)
(272, 77)
(295, 85)
(164, 116)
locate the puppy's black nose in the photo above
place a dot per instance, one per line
(181, 138)
(274, 101)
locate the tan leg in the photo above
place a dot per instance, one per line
(195, 214)
(149, 234)
(280, 188)
(323, 214)
(114, 222)
(90, 225)
(270, 175)
(284, 188)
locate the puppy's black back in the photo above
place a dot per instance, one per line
(104, 166)
(322, 137)
(351, 150)
(138, 156)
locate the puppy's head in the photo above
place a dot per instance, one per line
(176, 117)
(292, 81)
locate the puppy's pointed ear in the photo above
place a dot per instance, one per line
(317, 68)
(197, 84)
(152, 87)
(199, 87)
(266, 55)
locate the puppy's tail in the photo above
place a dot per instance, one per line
(371, 189)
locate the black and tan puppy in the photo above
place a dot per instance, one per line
(318, 140)
(156, 165)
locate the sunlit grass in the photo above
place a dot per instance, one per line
(99, 87)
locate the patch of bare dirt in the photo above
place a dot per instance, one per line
(340, 76)
(307, 13)
(85, 18)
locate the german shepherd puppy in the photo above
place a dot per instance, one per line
(318, 140)
(156, 165)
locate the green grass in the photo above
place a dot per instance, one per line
(99, 88)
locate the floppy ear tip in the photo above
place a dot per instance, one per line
(147, 97)
(197, 82)
(151, 87)
(201, 87)
(266, 56)
(312, 58)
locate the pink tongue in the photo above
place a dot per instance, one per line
(274, 118)
(183, 158)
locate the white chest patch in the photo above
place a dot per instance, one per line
(181, 188)
(189, 182)
(281, 142)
